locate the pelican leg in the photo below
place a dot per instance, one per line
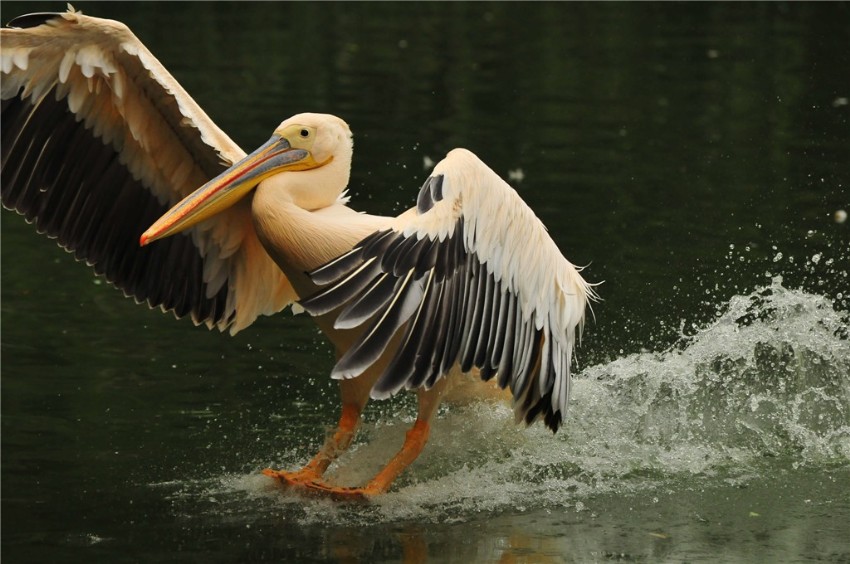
(354, 394)
(334, 446)
(414, 442)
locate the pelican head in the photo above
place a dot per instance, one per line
(318, 147)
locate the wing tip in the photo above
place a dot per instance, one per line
(430, 193)
(34, 19)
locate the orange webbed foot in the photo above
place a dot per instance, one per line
(311, 483)
(291, 479)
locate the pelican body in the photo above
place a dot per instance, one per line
(98, 141)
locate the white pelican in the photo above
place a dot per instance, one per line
(99, 140)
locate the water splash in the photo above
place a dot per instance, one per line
(770, 377)
(768, 380)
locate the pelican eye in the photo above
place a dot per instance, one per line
(304, 133)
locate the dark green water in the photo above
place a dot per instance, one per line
(693, 156)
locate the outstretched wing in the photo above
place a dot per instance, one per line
(98, 141)
(469, 277)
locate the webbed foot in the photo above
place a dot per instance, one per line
(310, 483)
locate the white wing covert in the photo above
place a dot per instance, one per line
(471, 278)
(98, 141)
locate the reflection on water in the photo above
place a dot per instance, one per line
(683, 521)
(694, 158)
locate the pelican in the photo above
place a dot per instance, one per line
(104, 151)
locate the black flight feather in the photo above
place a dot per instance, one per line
(32, 20)
(337, 268)
(74, 188)
(338, 294)
(374, 341)
(368, 303)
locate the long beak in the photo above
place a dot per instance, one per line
(275, 156)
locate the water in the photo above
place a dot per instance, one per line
(694, 157)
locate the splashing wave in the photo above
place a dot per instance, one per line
(767, 381)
